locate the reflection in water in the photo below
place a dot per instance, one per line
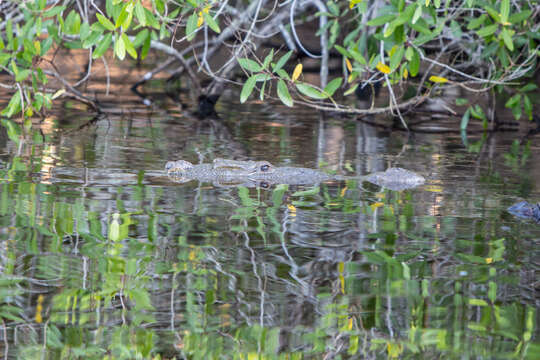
(103, 255)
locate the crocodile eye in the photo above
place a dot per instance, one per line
(169, 165)
(265, 168)
(264, 185)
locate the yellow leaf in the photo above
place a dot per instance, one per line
(394, 350)
(200, 19)
(405, 74)
(438, 79)
(58, 94)
(489, 260)
(343, 191)
(297, 71)
(352, 3)
(433, 188)
(292, 209)
(206, 9)
(350, 324)
(192, 255)
(376, 205)
(350, 78)
(342, 282)
(349, 66)
(383, 68)
(39, 309)
(427, 3)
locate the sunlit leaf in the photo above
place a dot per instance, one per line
(105, 22)
(348, 63)
(383, 68)
(296, 73)
(438, 79)
(58, 94)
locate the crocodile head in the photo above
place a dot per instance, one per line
(242, 167)
(178, 166)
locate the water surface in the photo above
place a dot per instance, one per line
(103, 255)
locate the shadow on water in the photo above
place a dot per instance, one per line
(102, 255)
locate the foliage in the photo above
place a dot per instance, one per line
(476, 45)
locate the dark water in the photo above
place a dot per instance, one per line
(104, 256)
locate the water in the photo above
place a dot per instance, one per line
(102, 255)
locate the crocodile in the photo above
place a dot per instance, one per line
(526, 210)
(225, 172)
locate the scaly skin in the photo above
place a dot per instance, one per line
(263, 174)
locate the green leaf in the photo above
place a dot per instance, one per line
(105, 22)
(55, 10)
(527, 106)
(92, 39)
(528, 87)
(513, 101)
(488, 30)
(103, 46)
(139, 13)
(461, 101)
(283, 74)
(268, 59)
(358, 57)
(247, 89)
(507, 38)
(191, 26)
(129, 46)
(505, 11)
(493, 13)
(315, 190)
(146, 45)
(332, 86)
(417, 14)
(211, 22)
(153, 22)
(516, 18)
(284, 94)
(120, 48)
(381, 20)
(396, 57)
(310, 91)
(465, 120)
(351, 89)
(22, 75)
(249, 65)
(262, 77)
(476, 22)
(14, 105)
(140, 37)
(122, 18)
(409, 53)
(414, 64)
(282, 61)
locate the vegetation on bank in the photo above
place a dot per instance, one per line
(412, 48)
